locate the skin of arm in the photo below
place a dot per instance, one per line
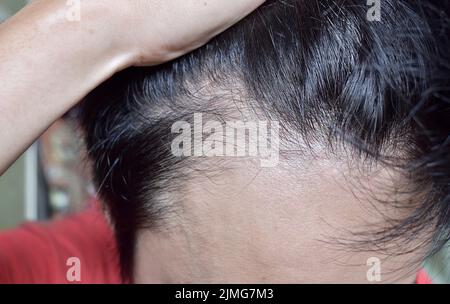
(48, 62)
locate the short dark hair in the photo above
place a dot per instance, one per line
(319, 67)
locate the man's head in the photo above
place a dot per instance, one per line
(362, 166)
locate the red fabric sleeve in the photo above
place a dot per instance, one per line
(38, 252)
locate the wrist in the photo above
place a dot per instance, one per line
(57, 61)
(81, 31)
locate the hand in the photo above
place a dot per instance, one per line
(160, 30)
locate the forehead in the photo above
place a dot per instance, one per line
(251, 224)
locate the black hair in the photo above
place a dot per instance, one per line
(319, 67)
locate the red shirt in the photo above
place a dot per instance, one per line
(40, 252)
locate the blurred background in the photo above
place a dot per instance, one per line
(50, 179)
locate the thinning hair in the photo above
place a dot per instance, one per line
(381, 89)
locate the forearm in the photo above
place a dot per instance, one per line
(47, 64)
